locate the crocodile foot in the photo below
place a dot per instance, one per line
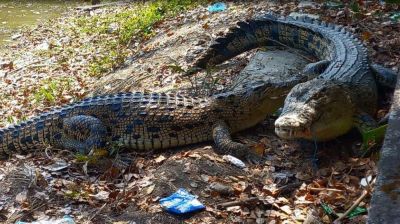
(225, 144)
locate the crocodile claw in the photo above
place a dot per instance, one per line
(253, 158)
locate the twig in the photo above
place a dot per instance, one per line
(324, 189)
(92, 7)
(355, 204)
(97, 212)
(287, 187)
(366, 191)
(25, 66)
(237, 202)
(20, 215)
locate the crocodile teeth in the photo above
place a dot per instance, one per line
(289, 133)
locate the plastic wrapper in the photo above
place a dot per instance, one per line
(181, 202)
(217, 7)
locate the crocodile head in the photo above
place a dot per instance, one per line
(316, 110)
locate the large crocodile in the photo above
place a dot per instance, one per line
(147, 121)
(343, 93)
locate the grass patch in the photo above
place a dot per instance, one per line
(115, 31)
(51, 90)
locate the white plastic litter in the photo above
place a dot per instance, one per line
(235, 161)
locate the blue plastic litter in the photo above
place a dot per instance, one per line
(181, 202)
(64, 220)
(217, 7)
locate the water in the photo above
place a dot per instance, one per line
(16, 14)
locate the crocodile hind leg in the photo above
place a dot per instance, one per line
(83, 133)
(384, 76)
(225, 144)
(314, 69)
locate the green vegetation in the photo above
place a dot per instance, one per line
(51, 90)
(132, 24)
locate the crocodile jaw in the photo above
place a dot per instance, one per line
(293, 127)
(318, 110)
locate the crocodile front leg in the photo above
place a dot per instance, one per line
(364, 124)
(225, 144)
(83, 133)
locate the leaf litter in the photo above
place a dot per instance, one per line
(295, 184)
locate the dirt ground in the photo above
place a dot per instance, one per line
(299, 182)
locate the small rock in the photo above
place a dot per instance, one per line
(16, 36)
(221, 188)
(205, 178)
(194, 184)
(43, 46)
(113, 27)
(233, 209)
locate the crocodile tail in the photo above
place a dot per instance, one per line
(243, 37)
(23, 137)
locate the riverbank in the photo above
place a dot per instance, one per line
(19, 15)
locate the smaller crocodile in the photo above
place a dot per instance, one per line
(341, 92)
(342, 96)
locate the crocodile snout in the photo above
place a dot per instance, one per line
(290, 126)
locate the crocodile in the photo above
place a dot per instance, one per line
(156, 121)
(153, 121)
(148, 121)
(341, 92)
(343, 95)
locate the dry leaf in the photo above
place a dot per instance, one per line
(149, 189)
(160, 158)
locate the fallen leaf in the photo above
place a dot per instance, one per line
(149, 189)
(160, 158)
